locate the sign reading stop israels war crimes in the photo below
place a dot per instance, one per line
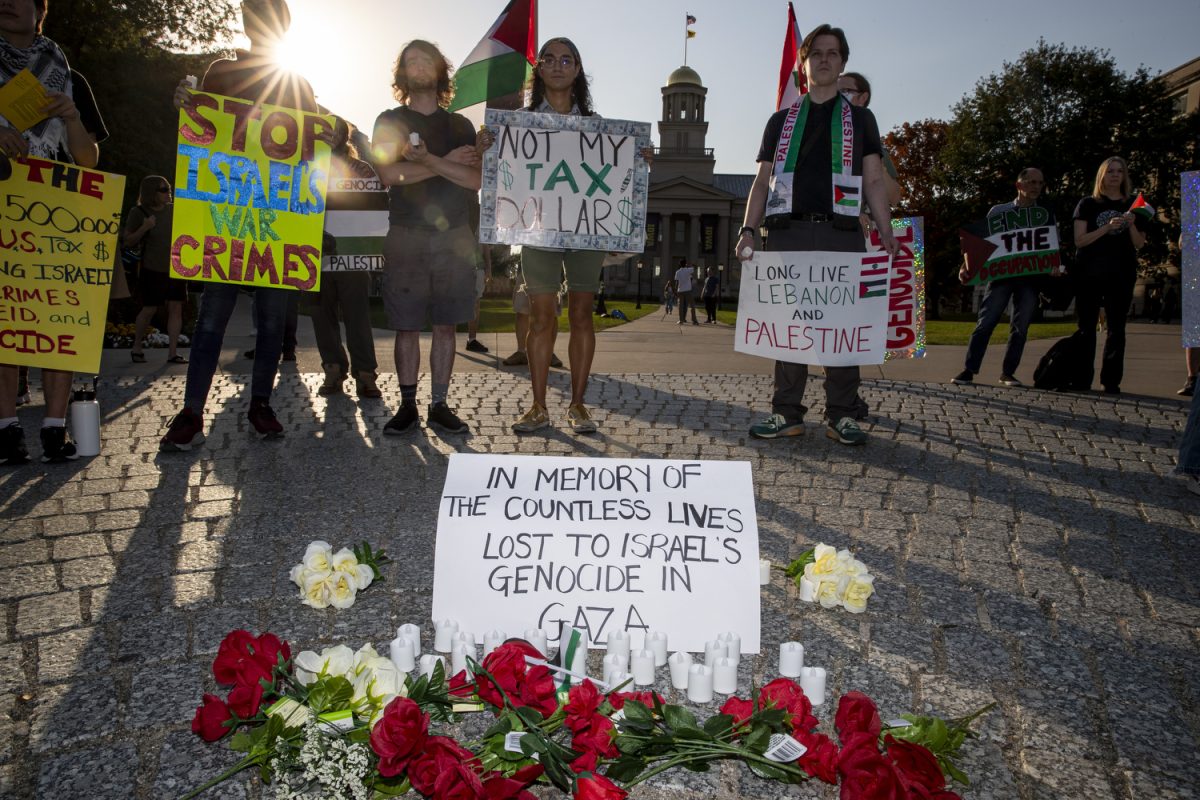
(58, 245)
(1014, 243)
(250, 183)
(815, 307)
(556, 180)
(599, 544)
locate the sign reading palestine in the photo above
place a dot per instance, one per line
(1014, 243)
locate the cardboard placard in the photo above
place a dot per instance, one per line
(906, 288)
(600, 544)
(1014, 243)
(250, 184)
(356, 216)
(556, 180)
(59, 237)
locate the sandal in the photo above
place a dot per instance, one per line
(138, 358)
(177, 359)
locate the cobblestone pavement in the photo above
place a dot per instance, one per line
(1041, 556)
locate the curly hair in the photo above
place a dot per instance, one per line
(445, 81)
(581, 95)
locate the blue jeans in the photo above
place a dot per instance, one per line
(216, 307)
(1189, 448)
(1024, 296)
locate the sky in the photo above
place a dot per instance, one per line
(921, 57)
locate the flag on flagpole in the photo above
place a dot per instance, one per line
(1142, 208)
(494, 74)
(792, 83)
(691, 20)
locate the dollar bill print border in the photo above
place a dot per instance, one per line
(634, 242)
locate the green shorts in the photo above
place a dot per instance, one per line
(542, 270)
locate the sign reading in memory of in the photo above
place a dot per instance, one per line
(906, 289)
(556, 180)
(1013, 243)
(528, 542)
(250, 183)
(59, 235)
(815, 307)
(356, 216)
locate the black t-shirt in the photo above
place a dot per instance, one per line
(257, 78)
(89, 114)
(434, 202)
(156, 243)
(812, 191)
(1114, 251)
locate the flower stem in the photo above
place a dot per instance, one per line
(224, 776)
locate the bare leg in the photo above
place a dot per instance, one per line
(441, 354)
(539, 343)
(174, 325)
(408, 357)
(57, 386)
(140, 324)
(473, 325)
(582, 346)
(522, 331)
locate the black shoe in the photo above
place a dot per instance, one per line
(1112, 389)
(57, 446)
(289, 355)
(476, 346)
(1189, 388)
(441, 415)
(263, 418)
(248, 354)
(964, 378)
(405, 420)
(12, 446)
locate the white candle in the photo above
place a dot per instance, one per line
(791, 659)
(713, 650)
(443, 638)
(656, 642)
(578, 663)
(618, 642)
(643, 667)
(618, 679)
(614, 662)
(564, 640)
(733, 645)
(401, 652)
(764, 572)
(700, 683)
(679, 663)
(492, 640)
(466, 637)
(808, 590)
(458, 658)
(725, 676)
(812, 681)
(413, 634)
(538, 640)
(428, 662)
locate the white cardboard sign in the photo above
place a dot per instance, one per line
(601, 544)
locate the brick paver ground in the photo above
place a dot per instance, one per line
(1032, 550)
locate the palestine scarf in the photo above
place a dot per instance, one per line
(845, 188)
(48, 138)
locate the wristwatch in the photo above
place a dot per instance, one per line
(747, 229)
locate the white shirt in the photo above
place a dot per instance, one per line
(683, 276)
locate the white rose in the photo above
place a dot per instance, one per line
(344, 560)
(317, 556)
(336, 661)
(363, 576)
(314, 591)
(377, 678)
(363, 657)
(341, 590)
(297, 574)
(824, 563)
(857, 591)
(827, 594)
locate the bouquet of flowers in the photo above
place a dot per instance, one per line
(334, 579)
(832, 578)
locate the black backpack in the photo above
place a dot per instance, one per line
(1067, 366)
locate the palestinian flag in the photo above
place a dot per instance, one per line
(1142, 208)
(356, 224)
(846, 196)
(792, 83)
(495, 72)
(993, 253)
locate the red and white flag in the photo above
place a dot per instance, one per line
(792, 83)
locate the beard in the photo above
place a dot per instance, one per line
(422, 83)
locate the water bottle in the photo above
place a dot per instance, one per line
(85, 421)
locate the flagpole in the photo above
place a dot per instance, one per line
(685, 42)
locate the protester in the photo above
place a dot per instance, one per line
(857, 89)
(685, 276)
(708, 294)
(428, 158)
(668, 298)
(521, 310)
(71, 132)
(252, 75)
(344, 294)
(483, 268)
(1107, 237)
(804, 216)
(149, 224)
(1021, 291)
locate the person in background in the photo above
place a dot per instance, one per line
(149, 224)
(685, 277)
(708, 294)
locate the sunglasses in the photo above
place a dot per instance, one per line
(566, 62)
(164, 189)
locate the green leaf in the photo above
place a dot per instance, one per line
(719, 725)
(679, 717)
(625, 769)
(953, 771)
(637, 713)
(630, 745)
(241, 742)
(331, 693)
(758, 738)
(391, 787)
(770, 773)
(796, 568)
(696, 766)
(693, 734)
(530, 717)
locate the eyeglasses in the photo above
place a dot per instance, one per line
(854, 92)
(548, 61)
(164, 189)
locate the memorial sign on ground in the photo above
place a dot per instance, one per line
(356, 216)
(250, 184)
(58, 232)
(815, 307)
(906, 289)
(1014, 243)
(600, 544)
(555, 180)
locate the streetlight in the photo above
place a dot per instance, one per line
(640, 264)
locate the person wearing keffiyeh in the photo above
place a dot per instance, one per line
(71, 132)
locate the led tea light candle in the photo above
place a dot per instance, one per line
(613, 664)
(764, 572)
(458, 658)
(700, 683)
(713, 650)
(618, 642)
(643, 667)
(725, 676)
(492, 640)
(680, 663)
(400, 650)
(733, 645)
(656, 642)
(443, 638)
(791, 659)
(465, 637)
(808, 590)
(812, 681)
(428, 662)
(538, 640)
(413, 634)
(621, 680)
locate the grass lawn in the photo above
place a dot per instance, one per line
(496, 315)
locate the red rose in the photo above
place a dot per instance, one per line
(588, 762)
(820, 760)
(582, 702)
(245, 700)
(785, 693)
(525, 686)
(244, 660)
(460, 685)
(741, 710)
(210, 719)
(618, 699)
(916, 765)
(457, 782)
(866, 774)
(498, 787)
(234, 647)
(270, 647)
(399, 736)
(856, 713)
(596, 738)
(597, 787)
(439, 754)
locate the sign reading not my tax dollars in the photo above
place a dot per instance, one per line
(558, 180)
(600, 544)
(250, 184)
(58, 237)
(815, 307)
(1014, 243)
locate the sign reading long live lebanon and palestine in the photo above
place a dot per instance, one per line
(568, 181)
(600, 544)
(356, 217)
(1015, 243)
(59, 242)
(815, 307)
(250, 184)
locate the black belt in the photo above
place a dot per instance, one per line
(785, 220)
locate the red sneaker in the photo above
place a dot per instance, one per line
(263, 419)
(186, 430)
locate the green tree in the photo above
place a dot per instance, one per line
(85, 27)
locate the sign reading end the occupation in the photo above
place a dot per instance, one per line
(529, 542)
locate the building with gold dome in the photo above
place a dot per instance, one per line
(693, 212)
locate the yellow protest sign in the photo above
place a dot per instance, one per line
(22, 100)
(58, 245)
(250, 182)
